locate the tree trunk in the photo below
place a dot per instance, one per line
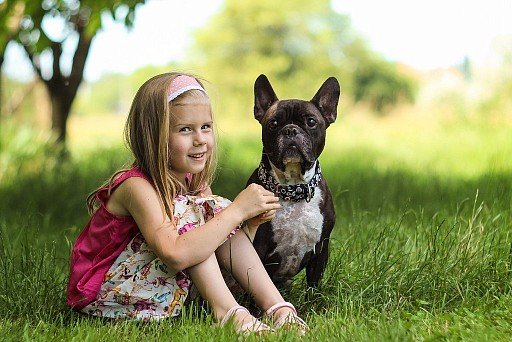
(62, 89)
(61, 106)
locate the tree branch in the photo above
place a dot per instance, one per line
(79, 59)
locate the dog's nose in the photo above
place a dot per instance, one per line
(290, 131)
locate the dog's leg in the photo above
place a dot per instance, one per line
(316, 265)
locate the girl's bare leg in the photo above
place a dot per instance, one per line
(238, 256)
(208, 279)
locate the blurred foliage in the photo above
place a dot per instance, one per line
(19, 103)
(13, 13)
(113, 93)
(24, 150)
(378, 82)
(297, 45)
(73, 15)
(498, 102)
(107, 96)
(77, 21)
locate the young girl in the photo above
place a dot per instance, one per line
(156, 228)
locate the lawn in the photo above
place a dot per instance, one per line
(421, 249)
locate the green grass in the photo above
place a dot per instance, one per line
(421, 249)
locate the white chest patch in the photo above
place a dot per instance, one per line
(297, 227)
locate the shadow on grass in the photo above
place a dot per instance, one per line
(403, 240)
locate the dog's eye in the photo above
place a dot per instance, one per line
(311, 122)
(272, 124)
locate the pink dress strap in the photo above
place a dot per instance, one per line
(104, 194)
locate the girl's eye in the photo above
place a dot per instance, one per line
(185, 129)
(206, 127)
(272, 124)
(311, 122)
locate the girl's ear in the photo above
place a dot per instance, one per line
(326, 99)
(264, 97)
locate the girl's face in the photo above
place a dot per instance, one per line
(191, 138)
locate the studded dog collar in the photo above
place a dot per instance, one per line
(296, 192)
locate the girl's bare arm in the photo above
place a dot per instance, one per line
(179, 252)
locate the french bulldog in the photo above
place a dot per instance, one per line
(293, 136)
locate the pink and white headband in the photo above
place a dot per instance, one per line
(181, 84)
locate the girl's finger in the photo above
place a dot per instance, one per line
(274, 206)
(269, 193)
(270, 213)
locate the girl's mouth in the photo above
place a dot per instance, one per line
(197, 156)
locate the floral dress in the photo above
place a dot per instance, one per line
(139, 285)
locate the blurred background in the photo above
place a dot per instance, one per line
(421, 82)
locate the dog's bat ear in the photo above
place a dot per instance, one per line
(326, 99)
(264, 97)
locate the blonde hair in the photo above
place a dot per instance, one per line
(147, 135)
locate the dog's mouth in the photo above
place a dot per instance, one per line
(292, 155)
(294, 163)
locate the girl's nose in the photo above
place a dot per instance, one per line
(200, 139)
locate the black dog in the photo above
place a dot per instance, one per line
(293, 134)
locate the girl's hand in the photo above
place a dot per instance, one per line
(255, 200)
(255, 222)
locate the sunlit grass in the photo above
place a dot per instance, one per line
(421, 248)
(412, 139)
(93, 132)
